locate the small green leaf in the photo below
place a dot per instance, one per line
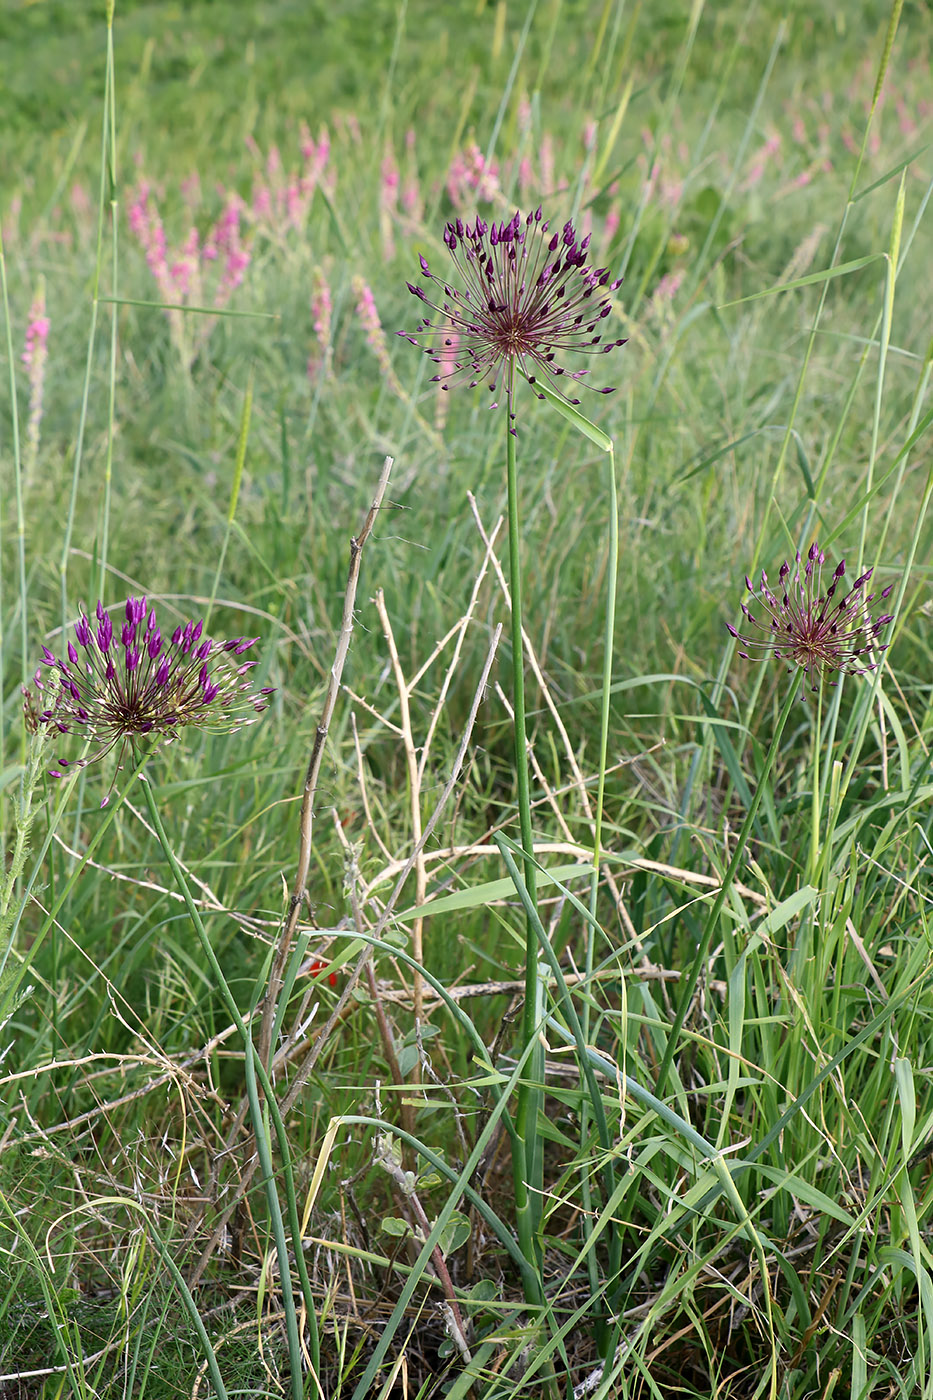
(574, 416)
(392, 1225)
(456, 1234)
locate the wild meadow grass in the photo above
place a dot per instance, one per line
(317, 1080)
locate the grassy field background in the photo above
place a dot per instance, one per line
(209, 428)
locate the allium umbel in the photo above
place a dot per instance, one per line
(809, 629)
(525, 298)
(118, 688)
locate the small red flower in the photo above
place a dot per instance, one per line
(318, 966)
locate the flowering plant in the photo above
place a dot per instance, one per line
(120, 689)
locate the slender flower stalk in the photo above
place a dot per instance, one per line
(811, 632)
(521, 297)
(140, 689)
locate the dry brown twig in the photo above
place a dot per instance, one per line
(306, 820)
(580, 781)
(309, 1063)
(307, 1066)
(417, 763)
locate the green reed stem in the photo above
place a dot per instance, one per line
(20, 516)
(110, 136)
(527, 1161)
(605, 708)
(689, 986)
(254, 1070)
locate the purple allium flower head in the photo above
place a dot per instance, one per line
(811, 630)
(154, 689)
(524, 296)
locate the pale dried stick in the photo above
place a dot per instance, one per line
(307, 1067)
(414, 798)
(386, 1033)
(532, 658)
(442, 854)
(417, 767)
(306, 821)
(459, 630)
(364, 795)
(371, 709)
(210, 903)
(311, 1060)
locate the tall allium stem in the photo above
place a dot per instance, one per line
(528, 1162)
(255, 1075)
(815, 822)
(604, 1333)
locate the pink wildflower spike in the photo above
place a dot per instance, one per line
(368, 315)
(321, 312)
(35, 355)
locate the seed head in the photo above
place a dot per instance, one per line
(524, 296)
(808, 629)
(136, 686)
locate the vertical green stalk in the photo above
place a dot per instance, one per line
(102, 204)
(608, 644)
(527, 1161)
(239, 464)
(110, 134)
(815, 763)
(605, 706)
(18, 490)
(706, 938)
(254, 1070)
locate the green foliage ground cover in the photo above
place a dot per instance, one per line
(714, 156)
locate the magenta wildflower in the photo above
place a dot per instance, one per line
(526, 297)
(368, 314)
(469, 177)
(117, 689)
(805, 628)
(321, 312)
